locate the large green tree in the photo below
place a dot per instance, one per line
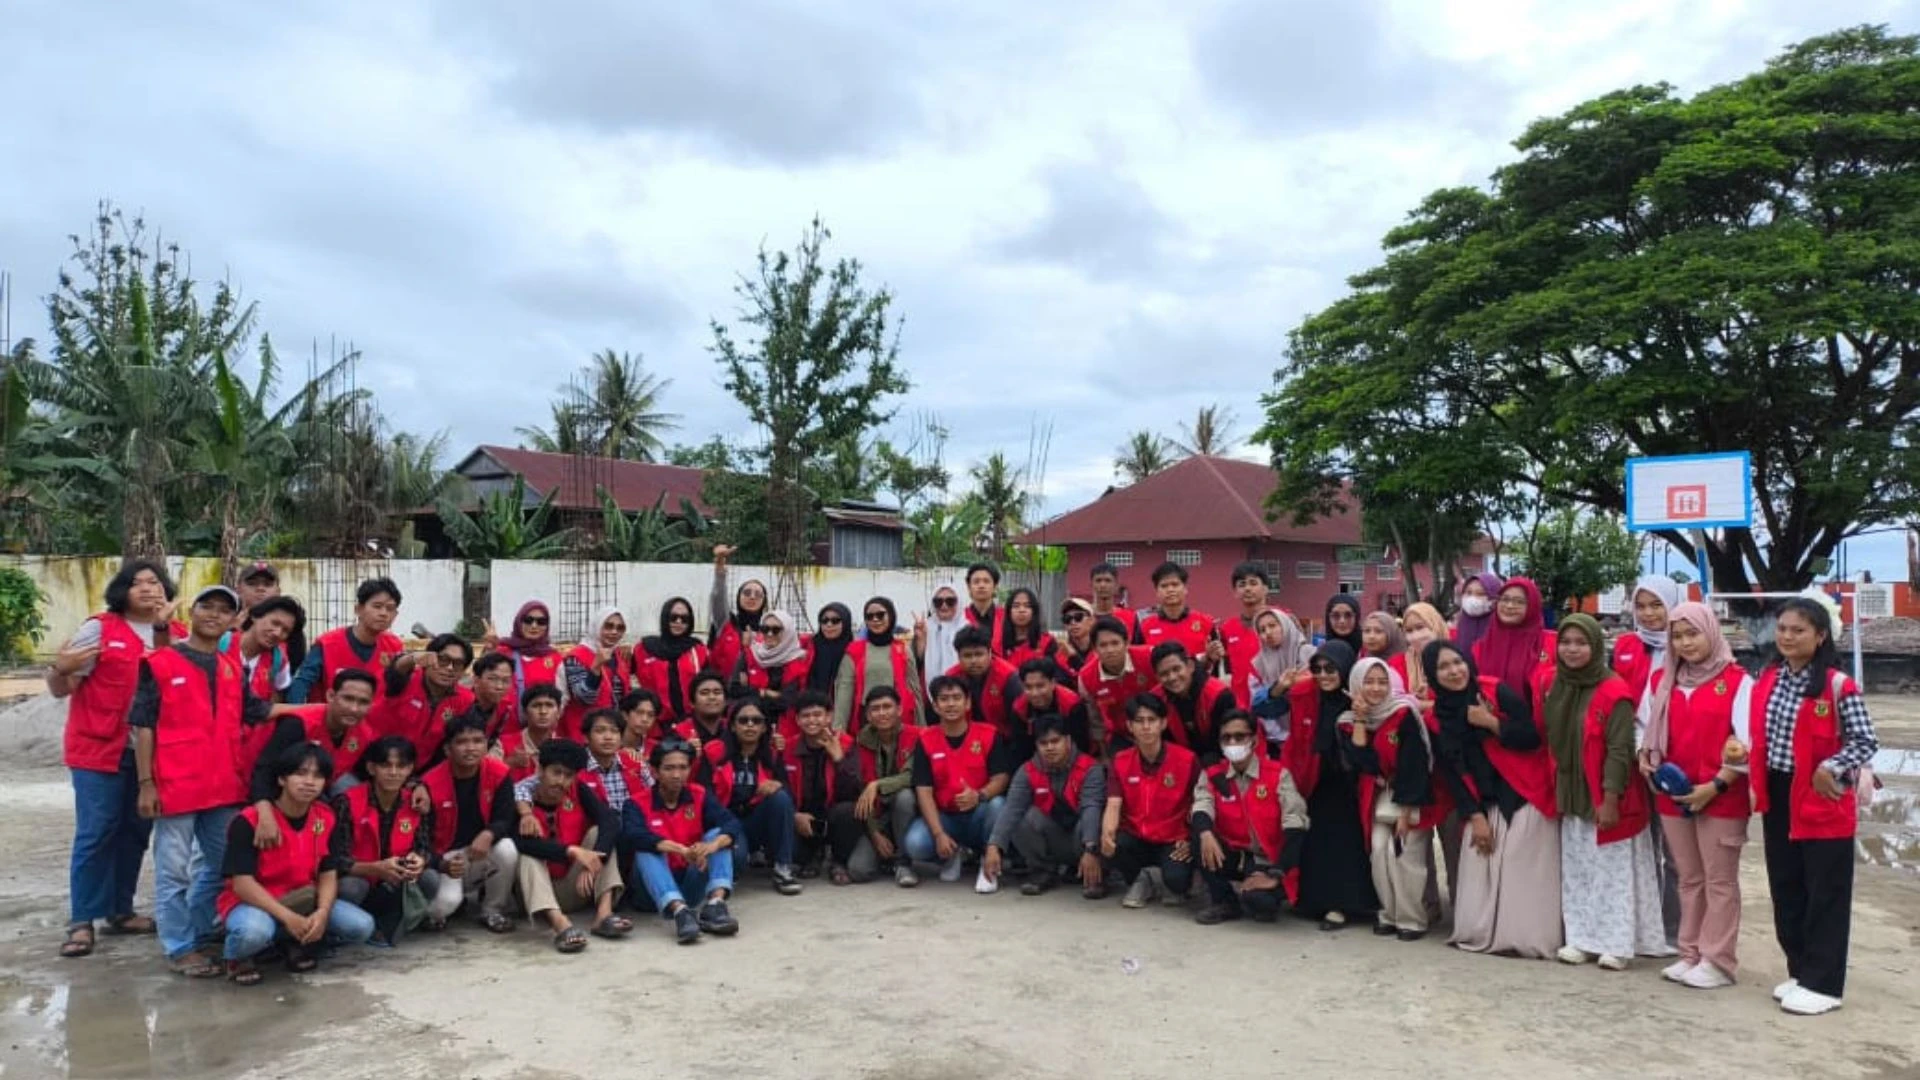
(1572, 555)
(1656, 275)
(612, 409)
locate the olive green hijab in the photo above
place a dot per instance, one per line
(1565, 714)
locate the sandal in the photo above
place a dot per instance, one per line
(839, 876)
(300, 961)
(195, 966)
(79, 941)
(243, 973)
(497, 923)
(570, 940)
(613, 926)
(131, 924)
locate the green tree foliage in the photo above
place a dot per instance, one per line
(22, 625)
(504, 525)
(651, 535)
(1571, 555)
(1142, 455)
(611, 410)
(1000, 491)
(946, 534)
(1656, 275)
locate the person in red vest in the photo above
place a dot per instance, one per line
(391, 844)
(667, 662)
(1393, 749)
(467, 792)
(540, 709)
(685, 839)
(259, 642)
(1609, 884)
(773, 668)
(1239, 637)
(1144, 832)
(640, 709)
(565, 838)
(188, 716)
(259, 583)
(1517, 647)
(596, 672)
(1809, 736)
(823, 773)
(1042, 692)
(1104, 579)
(615, 773)
(1639, 652)
(1077, 616)
(492, 688)
(340, 726)
(1052, 818)
(983, 607)
(1250, 824)
(730, 631)
(1336, 882)
(529, 644)
(97, 671)
(366, 645)
(993, 685)
(882, 657)
(708, 722)
(1195, 702)
(960, 777)
(1023, 633)
(288, 890)
(1116, 675)
(421, 693)
(887, 804)
(1173, 620)
(744, 772)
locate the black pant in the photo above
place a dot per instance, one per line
(1220, 888)
(1812, 886)
(1132, 855)
(843, 832)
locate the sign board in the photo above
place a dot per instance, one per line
(1872, 601)
(1613, 601)
(1691, 491)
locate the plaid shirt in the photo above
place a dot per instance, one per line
(1857, 739)
(612, 782)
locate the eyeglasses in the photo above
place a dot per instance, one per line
(746, 719)
(831, 620)
(534, 620)
(945, 601)
(876, 616)
(1513, 601)
(451, 661)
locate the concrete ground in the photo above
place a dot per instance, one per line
(875, 981)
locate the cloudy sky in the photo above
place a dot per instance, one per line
(1094, 216)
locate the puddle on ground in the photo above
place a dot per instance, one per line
(1890, 828)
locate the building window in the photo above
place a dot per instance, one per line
(1184, 556)
(1310, 571)
(1120, 560)
(1276, 573)
(1353, 573)
(1387, 572)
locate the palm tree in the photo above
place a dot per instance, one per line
(1000, 492)
(567, 435)
(1210, 434)
(618, 410)
(1142, 455)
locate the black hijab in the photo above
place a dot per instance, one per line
(893, 621)
(669, 646)
(1353, 639)
(1326, 733)
(1450, 706)
(748, 621)
(828, 651)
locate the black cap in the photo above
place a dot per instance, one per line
(261, 569)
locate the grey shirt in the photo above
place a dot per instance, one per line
(1093, 803)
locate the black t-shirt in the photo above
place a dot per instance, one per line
(243, 858)
(470, 817)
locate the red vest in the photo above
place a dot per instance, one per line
(532, 670)
(680, 824)
(346, 753)
(260, 678)
(790, 763)
(1386, 747)
(1297, 753)
(1635, 811)
(990, 701)
(1191, 629)
(337, 655)
(1155, 806)
(905, 740)
(1529, 772)
(1110, 696)
(956, 768)
(411, 714)
(446, 812)
(96, 735)
(857, 656)
(1242, 645)
(294, 863)
(196, 744)
(1633, 661)
(720, 769)
(1209, 696)
(1816, 737)
(1064, 701)
(564, 824)
(793, 679)
(1698, 727)
(511, 743)
(1049, 648)
(1043, 797)
(368, 844)
(994, 622)
(656, 673)
(728, 649)
(633, 769)
(1128, 617)
(1241, 821)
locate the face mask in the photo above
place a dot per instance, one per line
(1475, 606)
(1236, 753)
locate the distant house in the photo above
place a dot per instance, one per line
(574, 481)
(864, 535)
(1207, 514)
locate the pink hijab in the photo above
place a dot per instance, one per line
(1512, 653)
(1676, 672)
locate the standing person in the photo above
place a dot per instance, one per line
(1494, 760)
(259, 643)
(1173, 620)
(1638, 654)
(960, 777)
(565, 836)
(492, 704)
(467, 792)
(1381, 637)
(189, 708)
(1239, 637)
(887, 804)
(1398, 796)
(1609, 884)
(1117, 674)
(1144, 831)
(1105, 582)
(1195, 702)
(745, 774)
(1077, 616)
(596, 671)
(391, 845)
(1280, 663)
(1518, 647)
(774, 669)
(1689, 718)
(685, 840)
(1423, 625)
(882, 658)
(933, 638)
(259, 583)
(1024, 634)
(97, 671)
(668, 661)
(730, 630)
(1041, 693)
(833, 632)
(1250, 824)
(1342, 622)
(1055, 804)
(367, 644)
(993, 686)
(1810, 734)
(824, 776)
(1475, 616)
(530, 646)
(422, 694)
(983, 608)
(1336, 881)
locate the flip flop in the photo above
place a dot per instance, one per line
(570, 940)
(613, 926)
(195, 966)
(243, 973)
(80, 941)
(497, 923)
(300, 961)
(121, 925)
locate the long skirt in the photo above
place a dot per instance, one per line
(1509, 902)
(1610, 894)
(1334, 872)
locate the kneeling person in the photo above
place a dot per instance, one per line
(565, 836)
(392, 844)
(1251, 822)
(466, 793)
(684, 840)
(886, 804)
(1054, 807)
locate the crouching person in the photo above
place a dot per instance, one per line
(683, 838)
(395, 875)
(290, 891)
(1054, 809)
(463, 796)
(887, 803)
(564, 837)
(1250, 822)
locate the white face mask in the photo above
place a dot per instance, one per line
(1236, 752)
(1475, 606)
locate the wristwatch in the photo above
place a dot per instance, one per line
(1719, 785)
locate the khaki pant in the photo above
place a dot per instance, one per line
(541, 892)
(1400, 878)
(490, 879)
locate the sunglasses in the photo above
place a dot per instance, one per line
(1076, 617)
(875, 616)
(749, 719)
(452, 661)
(832, 620)
(679, 616)
(1324, 669)
(945, 601)
(620, 626)
(534, 620)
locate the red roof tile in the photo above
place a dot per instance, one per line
(635, 485)
(1198, 498)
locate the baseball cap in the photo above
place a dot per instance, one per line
(218, 590)
(260, 569)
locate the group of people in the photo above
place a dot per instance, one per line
(304, 797)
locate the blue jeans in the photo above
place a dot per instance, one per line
(188, 850)
(109, 842)
(667, 888)
(250, 930)
(970, 830)
(769, 827)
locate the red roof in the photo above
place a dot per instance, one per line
(1197, 498)
(635, 485)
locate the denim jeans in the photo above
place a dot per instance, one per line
(109, 842)
(188, 851)
(971, 830)
(769, 827)
(665, 887)
(250, 930)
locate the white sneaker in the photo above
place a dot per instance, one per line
(1570, 955)
(1801, 1001)
(1706, 976)
(1780, 992)
(985, 885)
(1676, 972)
(1614, 963)
(951, 870)
(1139, 894)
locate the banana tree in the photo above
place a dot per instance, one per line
(503, 526)
(651, 535)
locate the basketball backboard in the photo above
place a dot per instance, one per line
(1690, 491)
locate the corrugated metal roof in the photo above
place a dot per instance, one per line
(1197, 498)
(635, 485)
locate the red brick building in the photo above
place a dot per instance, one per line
(1207, 514)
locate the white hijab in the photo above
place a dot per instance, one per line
(941, 655)
(1669, 594)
